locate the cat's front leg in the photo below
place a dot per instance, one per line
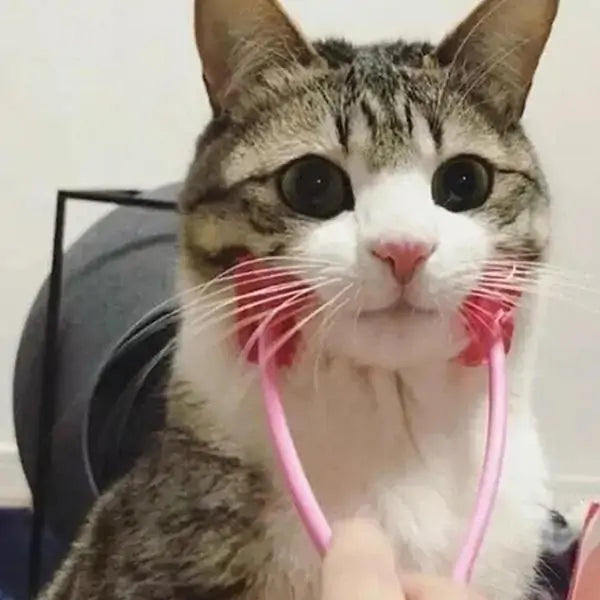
(184, 524)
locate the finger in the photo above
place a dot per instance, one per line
(423, 587)
(360, 565)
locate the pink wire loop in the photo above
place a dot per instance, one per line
(302, 495)
(491, 471)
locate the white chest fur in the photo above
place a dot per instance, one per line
(371, 446)
(404, 448)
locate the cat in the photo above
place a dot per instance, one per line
(391, 180)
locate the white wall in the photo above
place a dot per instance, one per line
(108, 93)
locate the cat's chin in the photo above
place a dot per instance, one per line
(401, 336)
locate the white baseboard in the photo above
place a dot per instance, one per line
(13, 486)
(569, 490)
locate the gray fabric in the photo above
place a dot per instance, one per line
(117, 272)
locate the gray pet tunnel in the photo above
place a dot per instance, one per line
(109, 392)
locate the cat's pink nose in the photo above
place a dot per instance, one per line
(404, 257)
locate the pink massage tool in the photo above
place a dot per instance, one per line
(490, 338)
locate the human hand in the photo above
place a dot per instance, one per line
(360, 566)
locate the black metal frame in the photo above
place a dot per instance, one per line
(45, 424)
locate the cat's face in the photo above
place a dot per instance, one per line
(391, 179)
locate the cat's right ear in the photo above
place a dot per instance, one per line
(238, 40)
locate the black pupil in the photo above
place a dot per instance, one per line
(313, 181)
(316, 187)
(462, 184)
(461, 180)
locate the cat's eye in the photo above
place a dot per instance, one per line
(316, 187)
(462, 183)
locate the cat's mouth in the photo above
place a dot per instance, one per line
(401, 308)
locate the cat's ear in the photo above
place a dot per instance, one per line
(499, 46)
(238, 39)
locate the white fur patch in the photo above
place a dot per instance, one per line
(403, 447)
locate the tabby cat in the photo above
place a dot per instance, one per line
(395, 182)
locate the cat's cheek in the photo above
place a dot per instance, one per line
(335, 249)
(455, 268)
(333, 241)
(329, 250)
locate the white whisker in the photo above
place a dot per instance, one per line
(326, 324)
(268, 297)
(276, 346)
(277, 310)
(288, 335)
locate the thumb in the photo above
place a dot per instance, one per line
(424, 587)
(360, 564)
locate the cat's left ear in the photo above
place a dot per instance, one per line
(239, 40)
(499, 46)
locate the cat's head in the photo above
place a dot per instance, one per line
(394, 178)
